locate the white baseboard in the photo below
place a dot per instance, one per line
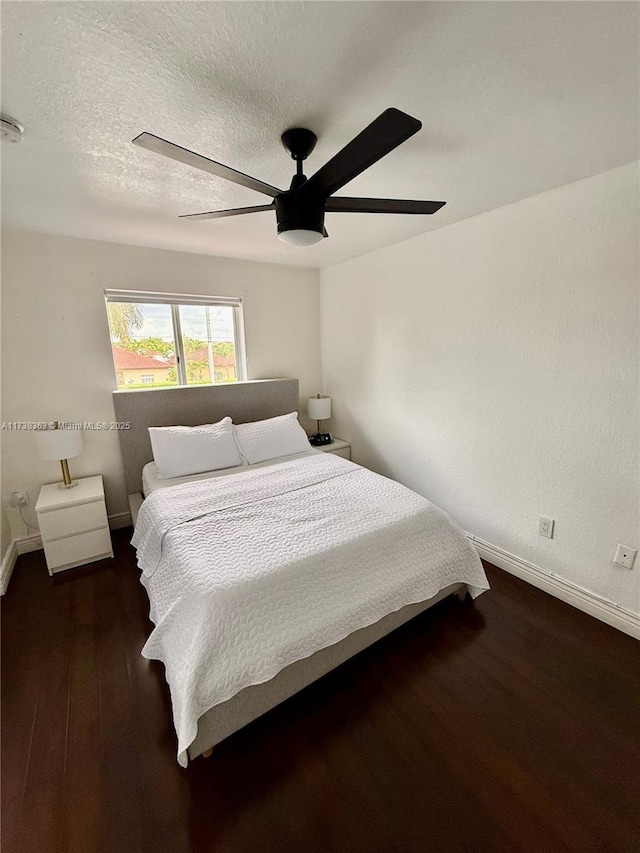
(8, 563)
(26, 544)
(583, 599)
(120, 519)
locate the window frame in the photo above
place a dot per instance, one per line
(174, 301)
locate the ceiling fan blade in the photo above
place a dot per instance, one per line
(190, 158)
(385, 133)
(381, 205)
(236, 211)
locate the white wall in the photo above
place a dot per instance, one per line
(5, 533)
(492, 365)
(57, 361)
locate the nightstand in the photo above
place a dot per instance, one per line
(338, 447)
(74, 524)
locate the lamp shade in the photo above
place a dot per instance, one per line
(57, 444)
(319, 408)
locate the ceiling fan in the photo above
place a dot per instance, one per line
(300, 210)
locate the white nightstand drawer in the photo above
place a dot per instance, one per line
(345, 452)
(76, 550)
(339, 447)
(74, 519)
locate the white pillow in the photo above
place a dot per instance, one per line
(179, 450)
(270, 439)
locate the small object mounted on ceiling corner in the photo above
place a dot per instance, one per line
(300, 210)
(319, 409)
(10, 129)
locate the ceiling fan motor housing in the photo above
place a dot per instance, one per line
(297, 210)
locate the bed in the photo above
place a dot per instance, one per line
(262, 579)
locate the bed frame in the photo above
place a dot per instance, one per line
(244, 402)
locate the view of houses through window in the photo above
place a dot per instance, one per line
(159, 344)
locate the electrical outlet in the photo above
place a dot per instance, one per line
(545, 526)
(19, 499)
(625, 556)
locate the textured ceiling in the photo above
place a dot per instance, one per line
(515, 98)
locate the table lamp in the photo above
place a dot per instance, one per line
(319, 409)
(60, 444)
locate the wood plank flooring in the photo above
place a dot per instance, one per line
(512, 725)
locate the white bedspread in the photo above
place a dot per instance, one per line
(248, 573)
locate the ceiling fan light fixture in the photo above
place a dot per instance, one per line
(300, 217)
(300, 237)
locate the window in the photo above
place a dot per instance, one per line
(163, 340)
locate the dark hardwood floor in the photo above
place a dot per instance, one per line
(512, 725)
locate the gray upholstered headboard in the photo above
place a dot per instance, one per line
(242, 401)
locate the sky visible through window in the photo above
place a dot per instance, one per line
(157, 323)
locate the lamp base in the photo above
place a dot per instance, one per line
(320, 439)
(67, 482)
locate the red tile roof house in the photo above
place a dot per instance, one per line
(134, 369)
